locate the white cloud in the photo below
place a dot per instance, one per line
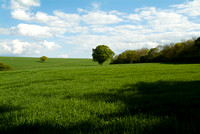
(32, 30)
(116, 12)
(24, 4)
(14, 47)
(58, 24)
(37, 51)
(19, 46)
(164, 20)
(21, 15)
(145, 27)
(41, 17)
(95, 5)
(50, 45)
(5, 48)
(134, 17)
(100, 18)
(125, 40)
(190, 8)
(63, 56)
(129, 27)
(24, 48)
(73, 18)
(102, 29)
(119, 43)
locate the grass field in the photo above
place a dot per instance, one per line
(79, 96)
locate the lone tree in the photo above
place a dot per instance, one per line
(44, 58)
(102, 53)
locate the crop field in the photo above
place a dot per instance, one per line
(80, 96)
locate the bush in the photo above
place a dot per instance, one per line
(4, 67)
(43, 58)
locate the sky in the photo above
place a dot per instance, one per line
(72, 28)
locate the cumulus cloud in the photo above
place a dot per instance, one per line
(144, 27)
(100, 17)
(31, 30)
(58, 24)
(50, 45)
(21, 15)
(21, 8)
(134, 17)
(15, 47)
(24, 4)
(190, 8)
(19, 46)
(70, 18)
(24, 48)
(148, 27)
(164, 20)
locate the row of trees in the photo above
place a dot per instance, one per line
(185, 51)
(130, 56)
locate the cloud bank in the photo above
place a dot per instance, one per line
(84, 30)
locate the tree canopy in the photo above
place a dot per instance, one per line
(102, 53)
(185, 51)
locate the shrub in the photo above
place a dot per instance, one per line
(4, 67)
(44, 58)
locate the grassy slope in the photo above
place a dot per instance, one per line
(77, 95)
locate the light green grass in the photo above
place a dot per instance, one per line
(79, 96)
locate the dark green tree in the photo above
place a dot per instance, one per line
(102, 53)
(139, 53)
(130, 55)
(197, 42)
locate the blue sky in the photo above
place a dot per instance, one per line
(71, 28)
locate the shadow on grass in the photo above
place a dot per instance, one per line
(40, 61)
(159, 98)
(7, 108)
(158, 107)
(6, 120)
(177, 102)
(177, 63)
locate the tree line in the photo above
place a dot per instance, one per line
(185, 51)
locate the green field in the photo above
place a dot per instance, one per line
(79, 96)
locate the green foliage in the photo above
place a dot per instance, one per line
(79, 96)
(130, 56)
(125, 57)
(153, 51)
(197, 42)
(44, 58)
(186, 51)
(102, 53)
(140, 53)
(4, 67)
